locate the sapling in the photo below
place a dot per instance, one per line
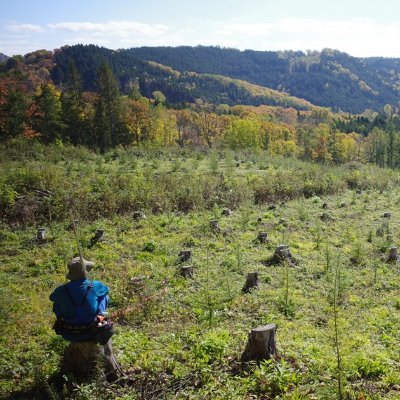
(318, 237)
(209, 300)
(214, 162)
(286, 289)
(336, 286)
(327, 258)
(375, 266)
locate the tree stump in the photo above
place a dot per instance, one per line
(387, 215)
(251, 282)
(184, 255)
(82, 360)
(272, 207)
(138, 215)
(282, 254)
(262, 237)
(227, 212)
(325, 206)
(214, 225)
(41, 235)
(261, 344)
(326, 217)
(393, 256)
(99, 234)
(186, 271)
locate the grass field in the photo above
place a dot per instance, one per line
(183, 338)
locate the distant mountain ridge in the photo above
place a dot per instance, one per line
(328, 78)
(178, 87)
(228, 76)
(3, 57)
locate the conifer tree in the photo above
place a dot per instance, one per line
(109, 128)
(47, 118)
(73, 107)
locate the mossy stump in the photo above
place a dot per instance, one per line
(393, 255)
(84, 360)
(98, 236)
(214, 225)
(262, 237)
(261, 344)
(251, 282)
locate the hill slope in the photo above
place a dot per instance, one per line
(177, 86)
(328, 78)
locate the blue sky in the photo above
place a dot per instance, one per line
(361, 28)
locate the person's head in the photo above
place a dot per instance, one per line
(75, 269)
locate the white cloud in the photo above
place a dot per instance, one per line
(359, 37)
(24, 28)
(120, 29)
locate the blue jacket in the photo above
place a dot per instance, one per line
(80, 313)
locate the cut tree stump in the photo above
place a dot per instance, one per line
(261, 344)
(41, 235)
(214, 225)
(262, 237)
(82, 359)
(186, 271)
(99, 235)
(138, 215)
(227, 212)
(251, 282)
(282, 254)
(393, 255)
(184, 255)
(387, 215)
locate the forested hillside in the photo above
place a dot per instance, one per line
(178, 87)
(328, 78)
(45, 96)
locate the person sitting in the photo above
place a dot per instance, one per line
(79, 305)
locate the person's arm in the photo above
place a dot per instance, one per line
(102, 305)
(102, 297)
(56, 305)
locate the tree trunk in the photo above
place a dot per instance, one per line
(261, 344)
(83, 360)
(251, 282)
